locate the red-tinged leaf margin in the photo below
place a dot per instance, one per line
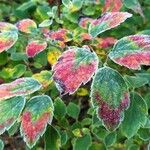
(9, 90)
(69, 65)
(26, 25)
(41, 109)
(107, 21)
(35, 47)
(132, 51)
(10, 110)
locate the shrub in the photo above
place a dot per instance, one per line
(68, 81)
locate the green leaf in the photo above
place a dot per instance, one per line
(10, 111)
(110, 139)
(18, 70)
(1, 145)
(22, 86)
(60, 109)
(64, 137)
(100, 133)
(135, 81)
(109, 96)
(37, 114)
(144, 133)
(135, 116)
(52, 139)
(82, 143)
(73, 110)
(13, 129)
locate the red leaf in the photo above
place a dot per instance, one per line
(74, 67)
(37, 114)
(35, 47)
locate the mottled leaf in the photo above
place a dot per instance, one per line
(107, 21)
(109, 96)
(7, 40)
(26, 25)
(135, 116)
(61, 35)
(10, 110)
(132, 51)
(112, 5)
(35, 47)
(37, 114)
(7, 27)
(22, 86)
(74, 67)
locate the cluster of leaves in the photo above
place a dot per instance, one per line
(46, 62)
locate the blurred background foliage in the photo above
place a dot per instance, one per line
(75, 124)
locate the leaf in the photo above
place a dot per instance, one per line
(110, 139)
(60, 108)
(134, 5)
(85, 21)
(52, 139)
(135, 116)
(26, 25)
(61, 35)
(35, 47)
(105, 42)
(53, 55)
(46, 23)
(38, 112)
(109, 96)
(112, 5)
(143, 134)
(22, 86)
(1, 145)
(74, 67)
(132, 51)
(44, 77)
(73, 110)
(7, 40)
(7, 27)
(107, 21)
(82, 143)
(135, 81)
(10, 111)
